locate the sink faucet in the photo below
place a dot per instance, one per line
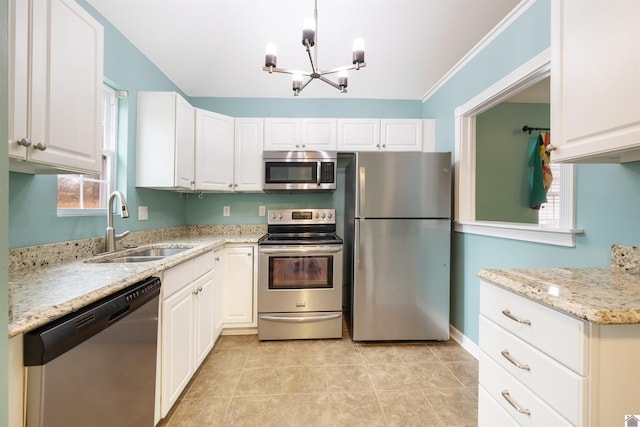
(112, 237)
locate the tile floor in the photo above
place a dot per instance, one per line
(246, 382)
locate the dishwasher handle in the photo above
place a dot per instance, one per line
(49, 341)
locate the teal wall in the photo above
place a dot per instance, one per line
(607, 197)
(503, 174)
(4, 211)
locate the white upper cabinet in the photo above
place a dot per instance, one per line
(401, 134)
(379, 135)
(358, 135)
(595, 81)
(214, 151)
(165, 142)
(228, 153)
(300, 134)
(55, 87)
(249, 139)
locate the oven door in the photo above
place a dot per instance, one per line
(298, 278)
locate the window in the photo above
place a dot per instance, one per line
(556, 232)
(87, 194)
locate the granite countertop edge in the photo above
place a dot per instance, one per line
(603, 296)
(41, 295)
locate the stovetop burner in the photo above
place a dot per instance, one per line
(301, 227)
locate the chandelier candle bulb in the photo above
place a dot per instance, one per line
(309, 32)
(343, 77)
(358, 51)
(270, 55)
(297, 83)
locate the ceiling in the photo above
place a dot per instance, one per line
(215, 48)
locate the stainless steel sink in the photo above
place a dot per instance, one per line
(142, 255)
(125, 259)
(157, 252)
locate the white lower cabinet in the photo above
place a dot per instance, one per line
(240, 289)
(218, 293)
(187, 325)
(541, 367)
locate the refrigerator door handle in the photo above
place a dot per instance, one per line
(362, 181)
(356, 244)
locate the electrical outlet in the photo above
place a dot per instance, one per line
(262, 211)
(143, 213)
(226, 211)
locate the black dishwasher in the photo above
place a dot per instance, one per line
(96, 366)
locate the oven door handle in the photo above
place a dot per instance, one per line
(300, 319)
(298, 249)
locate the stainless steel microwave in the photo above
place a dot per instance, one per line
(294, 171)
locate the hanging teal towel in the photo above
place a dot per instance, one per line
(538, 195)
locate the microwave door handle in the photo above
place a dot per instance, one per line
(318, 172)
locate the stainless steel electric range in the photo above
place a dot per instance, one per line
(300, 276)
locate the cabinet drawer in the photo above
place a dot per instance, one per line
(501, 386)
(559, 336)
(490, 414)
(177, 278)
(557, 385)
(204, 264)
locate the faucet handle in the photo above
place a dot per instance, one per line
(122, 235)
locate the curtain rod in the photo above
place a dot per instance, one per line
(529, 129)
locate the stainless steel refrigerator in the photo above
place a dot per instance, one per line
(397, 235)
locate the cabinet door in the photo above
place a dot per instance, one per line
(177, 346)
(239, 289)
(214, 151)
(18, 77)
(595, 113)
(319, 134)
(282, 134)
(358, 135)
(204, 320)
(218, 297)
(64, 102)
(185, 144)
(401, 135)
(249, 138)
(165, 141)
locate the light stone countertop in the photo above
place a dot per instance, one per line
(605, 296)
(40, 295)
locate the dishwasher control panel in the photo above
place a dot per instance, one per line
(147, 287)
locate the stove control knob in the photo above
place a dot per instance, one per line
(279, 216)
(316, 215)
(323, 215)
(273, 215)
(329, 215)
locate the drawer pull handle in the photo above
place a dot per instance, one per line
(513, 361)
(517, 407)
(507, 313)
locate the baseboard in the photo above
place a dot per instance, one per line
(464, 342)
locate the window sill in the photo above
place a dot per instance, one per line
(81, 212)
(524, 232)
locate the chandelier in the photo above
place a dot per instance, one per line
(309, 34)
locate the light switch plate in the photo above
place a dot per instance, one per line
(262, 211)
(143, 213)
(226, 211)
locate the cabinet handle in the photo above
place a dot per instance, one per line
(40, 146)
(507, 313)
(378, 145)
(384, 145)
(513, 403)
(24, 142)
(217, 258)
(197, 291)
(513, 361)
(230, 185)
